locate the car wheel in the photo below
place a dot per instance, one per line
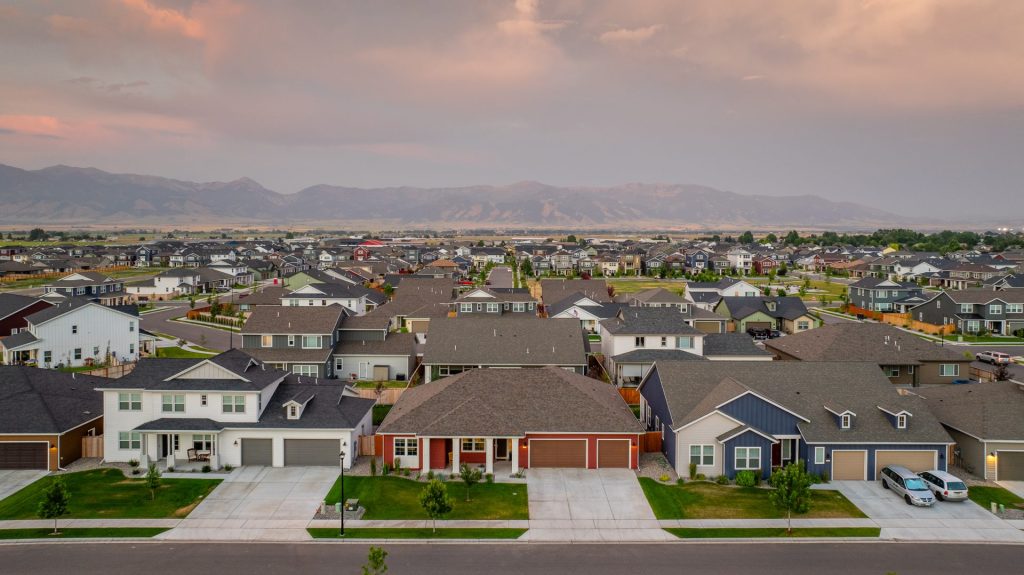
(885, 485)
(939, 496)
(907, 499)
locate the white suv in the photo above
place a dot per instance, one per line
(993, 357)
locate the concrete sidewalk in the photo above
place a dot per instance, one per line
(62, 523)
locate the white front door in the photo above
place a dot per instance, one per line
(364, 369)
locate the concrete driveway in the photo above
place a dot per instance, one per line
(589, 505)
(964, 521)
(259, 503)
(13, 480)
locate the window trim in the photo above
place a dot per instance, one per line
(702, 455)
(845, 421)
(747, 459)
(319, 342)
(232, 400)
(819, 455)
(639, 341)
(174, 403)
(943, 369)
(131, 438)
(410, 447)
(473, 445)
(128, 398)
(266, 341)
(901, 421)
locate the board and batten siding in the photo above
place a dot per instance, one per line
(748, 439)
(97, 327)
(654, 404)
(704, 432)
(807, 453)
(760, 414)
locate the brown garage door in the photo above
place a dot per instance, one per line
(1010, 466)
(418, 326)
(915, 461)
(23, 456)
(849, 465)
(613, 453)
(708, 326)
(558, 453)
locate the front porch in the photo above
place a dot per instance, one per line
(495, 455)
(186, 449)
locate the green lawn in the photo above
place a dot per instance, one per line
(759, 532)
(80, 368)
(380, 412)
(417, 533)
(177, 352)
(108, 494)
(702, 500)
(985, 495)
(640, 283)
(79, 532)
(387, 384)
(398, 498)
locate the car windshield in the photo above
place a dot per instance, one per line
(956, 486)
(915, 484)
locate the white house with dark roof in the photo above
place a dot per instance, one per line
(74, 333)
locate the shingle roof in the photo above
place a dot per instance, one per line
(493, 402)
(329, 408)
(787, 307)
(649, 321)
(853, 341)
(985, 295)
(731, 344)
(393, 344)
(657, 295)
(17, 340)
(294, 319)
(511, 340)
(44, 401)
(71, 304)
(555, 290)
(645, 355)
(11, 303)
(990, 411)
(150, 373)
(181, 424)
(289, 354)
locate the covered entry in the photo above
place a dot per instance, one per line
(24, 455)
(915, 461)
(1010, 465)
(257, 452)
(312, 452)
(849, 465)
(558, 453)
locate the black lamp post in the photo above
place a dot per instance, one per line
(341, 458)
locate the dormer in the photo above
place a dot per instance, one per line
(770, 305)
(844, 417)
(294, 407)
(898, 418)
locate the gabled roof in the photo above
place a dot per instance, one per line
(46, 401)
(787, 307)
(294, 319)
(72, 304)
(657, 295)
(988, 411)
(649, 321)
(510, 340)
(853, 341)
(731, 345)
(11, 303)
(241, 372)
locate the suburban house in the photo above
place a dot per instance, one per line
(553, 291)
(657, 297)
(457, 344)
(46, 415)
(546, 417)
(74, 333)
(295, 339)
(166, 285)
(376, 359)
(974, 310)
(986, 421)
(904, 358)
(740, 260)
(92, 285)
(14, 309)
(634, 330)
(786, 313)
(356, 299)
(885, 295)
(230, 409)
(706, 294)
(488, 301)
(727, 417)
(588, 311)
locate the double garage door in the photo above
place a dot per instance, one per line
(573, 453)
(852, 465)
(1010, 466)
(23, 456)
(297, 452)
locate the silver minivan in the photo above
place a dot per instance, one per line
(946, 487)
(904, 482)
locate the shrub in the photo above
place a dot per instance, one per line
(170, 470)
(700, 477)
(406, 472)
(133, 463)
(397, 464)
(824, 477)
(373, 467)
(664, 478)
(489, 478)
(746, 479)
(385, 469)
(680, 481)
(228, 467)
(693, 470)
(430, 475)
(206, 469)
(136, 471)
(722, 480)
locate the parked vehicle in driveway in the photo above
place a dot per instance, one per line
(759, 334)
(903, 481)
(993, 357)
(946, 487)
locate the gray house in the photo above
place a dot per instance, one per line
(484, 301)
(973, 310)
(296, 339)
(877, 294)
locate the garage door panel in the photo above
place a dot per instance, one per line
(257, 452)
(708, 326)
(1010, 466)
(312, 452)
(849, 465)
(613, 453)
(915, 461)
(558, 453)
(23, 456)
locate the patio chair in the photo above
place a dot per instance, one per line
(193, 455)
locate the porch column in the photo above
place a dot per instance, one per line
(456, 447)
(515, 454)
(425, 466)
(144, 456)
(215, 452)
(170, 451)
(489, 455)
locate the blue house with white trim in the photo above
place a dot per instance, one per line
(841, 418)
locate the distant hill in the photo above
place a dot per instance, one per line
(82, 196)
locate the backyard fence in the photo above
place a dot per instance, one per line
(389, 396)
(92, 446)
(650, 442)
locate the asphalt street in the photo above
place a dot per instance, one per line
(792, 558)
(501, 277)
(160, 321)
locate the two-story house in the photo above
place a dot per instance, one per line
(95, 286)
(740, 259)
(494, 303)
(14, 308)
(74, 333)
(974, 310)
(885, 295)
(706, 294)
(293, 338)
(357, 299)
(230, 409)
(787, 313)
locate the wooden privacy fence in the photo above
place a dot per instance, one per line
(650, 442)
(92, 446)
(630, 394)
(9, 278)
(111, 371)
(904, 320)
(389, 396)
(367, 445)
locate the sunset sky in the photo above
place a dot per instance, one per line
(916, 106)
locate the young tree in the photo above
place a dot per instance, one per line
(191, 302)
(470, 476)
(375, 562)
(1000, 372)
(54, 503)
(435, 501)
(792, 491)
(153, 480)
(215, 309)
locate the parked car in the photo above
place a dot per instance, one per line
(759, 334)
(993, 357)
(903, 481)
(946, 487)
(773, 334)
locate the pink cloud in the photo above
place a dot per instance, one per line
(166, 19)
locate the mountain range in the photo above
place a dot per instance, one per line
(71, 196)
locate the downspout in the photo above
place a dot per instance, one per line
(59, 468)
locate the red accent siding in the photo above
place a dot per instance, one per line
(439, 453)
(634, 443)
(389, 453)
(17, 319)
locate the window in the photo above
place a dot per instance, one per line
(892, 371)
(407, 446)
(845, 420)
(203, 400)
(479, 307)
(78, 353)
(530, 305)
(266, 341)
(95, 351)
(995, 309)
(311, 341)
(949, 369)
(131, 326)
(293, 411)
(47, 356)
(518, 307)
(172, 403)
(493, 308)
(465, 307)
(131, 349)
(664, 341)
(901, 421)
(233, 403)
(175, 442)
(202, 442)
(748, 458)
(702, 455)
(74, 329)
(966, 308)
(129, 401)
(339, 364)
(305, 369)
(473, 444)
(129, 440)
(819, 455)
(803, 325)
(639, 341)
(684, 342)
(787, 449)
(910, 370)
(1015, 308)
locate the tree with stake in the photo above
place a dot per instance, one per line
(54, 503)
(470, 476)
(435, 501)
(153, 480)
(375, 562)
(792, 491)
